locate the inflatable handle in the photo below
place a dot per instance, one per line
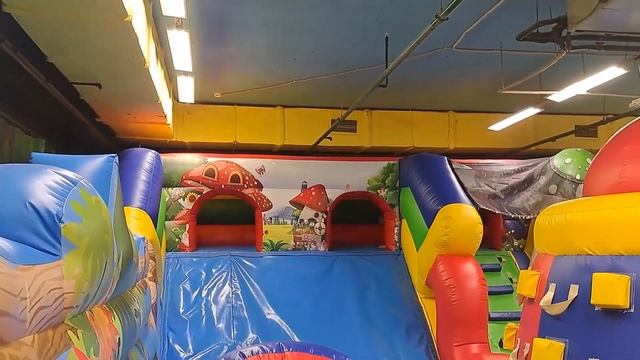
(558, 308)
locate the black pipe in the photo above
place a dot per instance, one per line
(604, 121)
(6, 46)
(83, 83)
(607, 48)
(440, 17)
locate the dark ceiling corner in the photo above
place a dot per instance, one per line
(36, 97)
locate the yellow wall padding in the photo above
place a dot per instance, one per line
(599, 225)
(285, 128)
(546, 349)
(456, 230)
(139, 223)
(611, 290)
(509, 337)
(528, 283)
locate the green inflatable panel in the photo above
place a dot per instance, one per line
(411, 213)
(161, 215)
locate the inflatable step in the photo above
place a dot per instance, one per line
(500, 289)
(495, 267)
(505, 316)
(497, 278)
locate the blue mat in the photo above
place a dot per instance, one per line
(359, 303)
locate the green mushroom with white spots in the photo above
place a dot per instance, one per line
(572, 164)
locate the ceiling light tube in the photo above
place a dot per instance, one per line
(186, 89)
(180, 45)
(174, 8)
(582, 86)
(515, 118)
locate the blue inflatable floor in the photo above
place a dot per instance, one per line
(359, 303)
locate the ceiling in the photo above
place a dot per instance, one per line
(90, 41)
(324, 53)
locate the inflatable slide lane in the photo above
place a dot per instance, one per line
(78, 252)
(286, 258)
(441, 232)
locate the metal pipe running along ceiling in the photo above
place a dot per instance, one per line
(440, 17)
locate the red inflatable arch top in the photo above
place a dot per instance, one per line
(224, 235)
(344, 235)
(616, 167)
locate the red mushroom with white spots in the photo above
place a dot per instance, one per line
(313, 204)
(223, 174)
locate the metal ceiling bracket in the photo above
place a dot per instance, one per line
(386, 60)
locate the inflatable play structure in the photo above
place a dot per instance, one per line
(580, 291)
(310, 258)
(79, 256)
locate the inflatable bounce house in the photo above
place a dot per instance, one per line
(80, 257)
(311, 258)
(578, 295)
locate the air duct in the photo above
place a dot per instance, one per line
(604, 16)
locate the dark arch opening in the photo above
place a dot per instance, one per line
(360, 219)
(225, 218)
(211, 173)
(235, 179)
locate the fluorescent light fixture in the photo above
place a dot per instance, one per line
(140, 22)
(174, 8)
(528, 112)
(186, 89)
(582, 86)
(180, 45)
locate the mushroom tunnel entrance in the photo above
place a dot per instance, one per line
(360, 220)
(226, 221)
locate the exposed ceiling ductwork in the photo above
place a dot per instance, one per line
(604, 16)
(601, 25)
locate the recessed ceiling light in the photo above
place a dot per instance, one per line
(582, 86)
(174, 8)
(528, 112)
(180, 45)
(186, 89)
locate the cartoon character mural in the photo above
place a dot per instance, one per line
(310, 229)
(294, 200)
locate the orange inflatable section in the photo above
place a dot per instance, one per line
(462, 306)
(226, 235)
(357, 235)
(616, 167)
(198, 232)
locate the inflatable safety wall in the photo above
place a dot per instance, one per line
(78, 252)
(278, 203)
(581, 290)
(441, 231)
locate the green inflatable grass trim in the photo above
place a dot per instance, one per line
(411, 213)
(161, 214)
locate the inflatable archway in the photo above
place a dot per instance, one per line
(358, 234)
(229, 235)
